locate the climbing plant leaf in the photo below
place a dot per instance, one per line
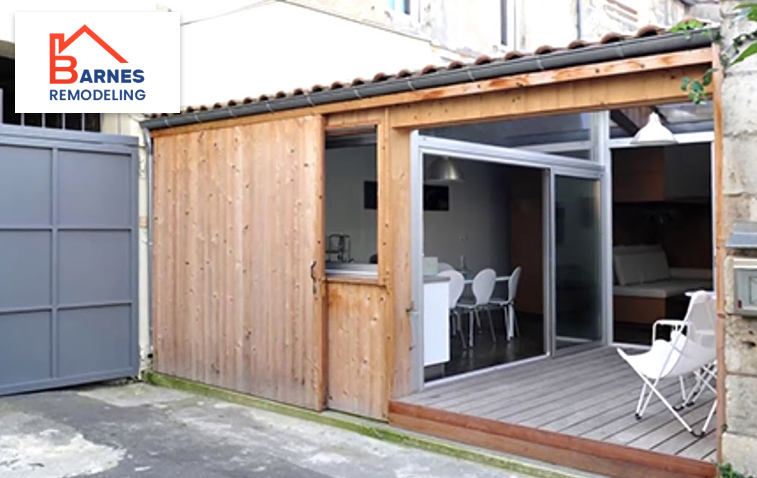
(746, 53)
(742, 47)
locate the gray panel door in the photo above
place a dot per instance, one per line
(68, 258)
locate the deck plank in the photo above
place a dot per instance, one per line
(618, 418)
(669, 435)
(512, 383)
(514, 392)
(703, 449)
(653, 427)
(560, 396)
(590, 394)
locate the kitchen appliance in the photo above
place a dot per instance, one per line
(338, 249)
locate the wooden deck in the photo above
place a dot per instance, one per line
(589, 395)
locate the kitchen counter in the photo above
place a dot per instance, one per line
(435, 320)
(434, 279)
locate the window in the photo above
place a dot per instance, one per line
(402, 6)
(507, 12)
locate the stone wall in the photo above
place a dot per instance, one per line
(739, 446)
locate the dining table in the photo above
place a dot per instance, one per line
(497, 279)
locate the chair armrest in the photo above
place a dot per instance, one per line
(675, 324)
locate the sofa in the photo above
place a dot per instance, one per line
(647, 288)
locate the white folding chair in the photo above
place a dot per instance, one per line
(690, 351)
(456, 286)
(444, 267)
(508, 304)
(483, 286)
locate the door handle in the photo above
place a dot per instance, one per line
(312, 277)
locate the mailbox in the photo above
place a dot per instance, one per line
(744, 237)
(745, 302)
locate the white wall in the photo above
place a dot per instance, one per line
(346, 171)
(477, 224)
(280, 47)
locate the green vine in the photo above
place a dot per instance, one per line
(727, 471)
(742, 47)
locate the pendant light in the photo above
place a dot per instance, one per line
(442, 171)
(654, 133)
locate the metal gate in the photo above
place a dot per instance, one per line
(68, 258)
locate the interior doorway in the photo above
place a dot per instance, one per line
(533, 220)
(662, 233)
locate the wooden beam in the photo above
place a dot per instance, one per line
(607, 459)
(631, 119)
(354, 119)
(649, 87)
(702, 56)
(394, 249)
(720, 238)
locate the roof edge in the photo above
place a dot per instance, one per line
(636, 47)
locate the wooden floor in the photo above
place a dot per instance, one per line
(591, 394)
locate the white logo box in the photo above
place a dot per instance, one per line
(125, 62)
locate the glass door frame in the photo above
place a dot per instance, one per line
(604, 324)
(552, 166)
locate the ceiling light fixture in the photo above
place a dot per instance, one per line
(654, 133)
(442, 171)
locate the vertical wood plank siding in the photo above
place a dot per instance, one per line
(238, 224)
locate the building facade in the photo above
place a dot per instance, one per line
(739, 203)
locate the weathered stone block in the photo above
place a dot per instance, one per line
(739, 103)
(741, 412)
(741, 347)
(740, 451)
(729, 284)
(740, 164)
(740, 207)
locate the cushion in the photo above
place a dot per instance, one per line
(625, 269)
(640, 264)
(653, 266)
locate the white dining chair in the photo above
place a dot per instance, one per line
(483, 286)
(456, 286)
(444, 267)
(508, 304)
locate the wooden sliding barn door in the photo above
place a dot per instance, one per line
(238, 258)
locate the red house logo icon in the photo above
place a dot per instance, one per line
(58, 43)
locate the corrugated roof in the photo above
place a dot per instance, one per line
(543, 52)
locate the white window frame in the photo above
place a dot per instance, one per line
(507, 24)
(395, 7)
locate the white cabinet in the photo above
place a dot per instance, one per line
(435, 321)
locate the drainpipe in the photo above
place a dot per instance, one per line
(579, 24)
(149, 177)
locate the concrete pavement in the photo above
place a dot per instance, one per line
(141, 431)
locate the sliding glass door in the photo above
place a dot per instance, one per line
(577, 262)
(552, 232)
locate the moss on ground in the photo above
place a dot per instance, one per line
(377, 430)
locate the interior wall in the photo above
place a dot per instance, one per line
(673, 207)
(478, 221)
(526, 233)
(686, 237)
(347, 169)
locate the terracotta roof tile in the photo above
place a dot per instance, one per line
(609, 38)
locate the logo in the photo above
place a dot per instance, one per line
(58, 43)
(97, 62)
